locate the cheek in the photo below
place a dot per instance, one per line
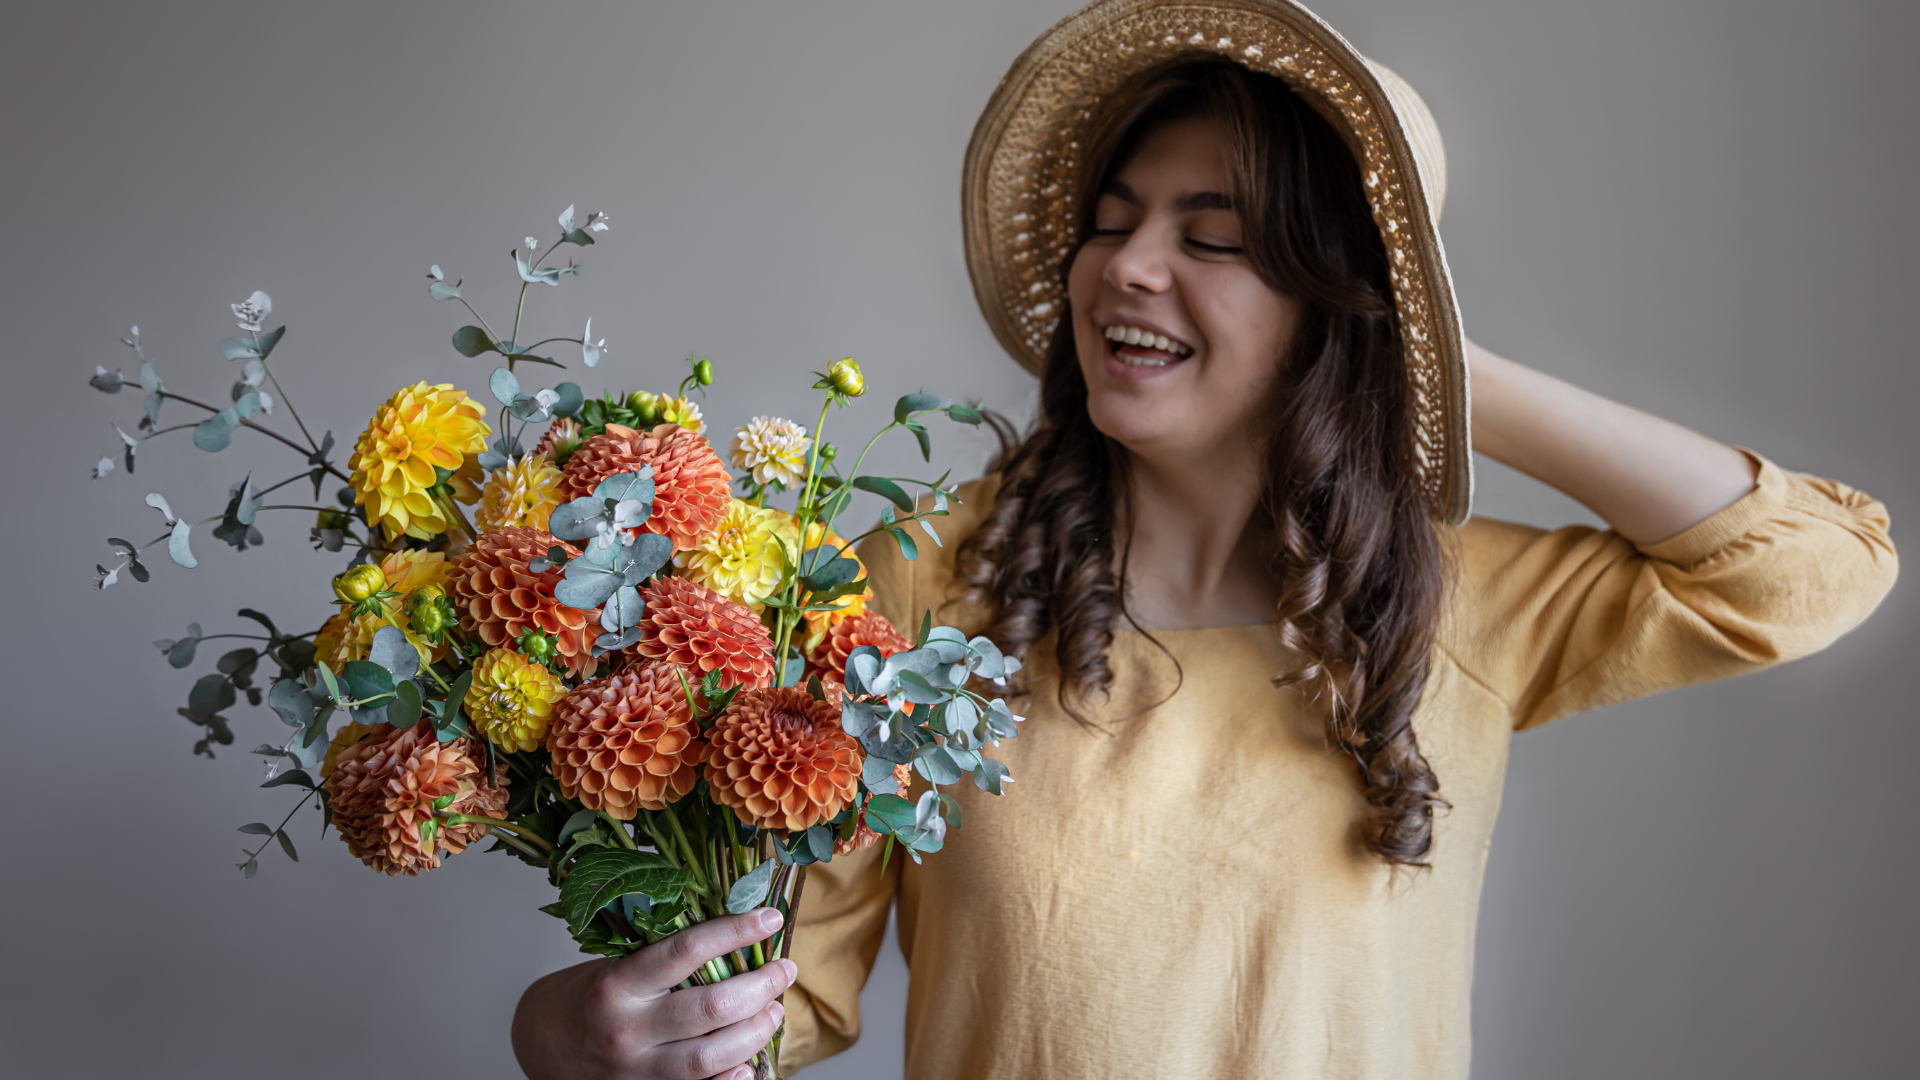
(1248, 327)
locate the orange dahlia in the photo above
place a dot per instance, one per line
(864, 837)
(383, 792)
(702, 631)
(781, 761)
(866, 628)
(627, 741)
(499, 597)
(691, 487)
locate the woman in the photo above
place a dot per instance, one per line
(1272, 676)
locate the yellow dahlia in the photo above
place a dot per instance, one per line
(524, 493)
(417, 430)
(511, 699)
(741, 560)
(844, 608)
(773, 450)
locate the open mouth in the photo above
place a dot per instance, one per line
(1139, 347)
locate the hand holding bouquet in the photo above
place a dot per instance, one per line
(631, 669)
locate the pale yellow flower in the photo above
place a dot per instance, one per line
(511, 699)
(774, 450)
(524, 493)
(681, 411)
(741, 560)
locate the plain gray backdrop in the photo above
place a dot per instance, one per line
(1701, 208)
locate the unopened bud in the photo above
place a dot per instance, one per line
(703, 372)
(361, 583)
(846, 378)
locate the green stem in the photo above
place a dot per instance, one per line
(472, 819)
(303, 451)
(620, 831)
(513, 842)
(692, 865)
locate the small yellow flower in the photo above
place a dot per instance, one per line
(346, 637)
(741, 560)
(420, 429)
(512, 698)
(846, 607)
(774, 450)
(681, 411)
(524, 493)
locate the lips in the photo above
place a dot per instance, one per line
(1141, 350)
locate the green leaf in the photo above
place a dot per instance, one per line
(394, 653)
(456, 699)
(927, 527)
(440, 290)
(911, 404)
(751, 891)
(604, 875)
(908, 549)
(920, 435)
(570, 399)
(882, 486)
(472, 341)
(820, 842)
(297, 777)
(286, 844)
(269, 340)
(215, 433)
(257, 828)
(366, 679)
(934, 763)
(238, 348)
(504, 385)
(210, 695)
(889, 814)
(965, 414)
(404, 710)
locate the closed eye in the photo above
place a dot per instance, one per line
(1214, 249)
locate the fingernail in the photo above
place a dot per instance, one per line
(769, 920)
(792, 970)
(779, 1013)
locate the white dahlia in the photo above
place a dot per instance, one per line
(774, 450)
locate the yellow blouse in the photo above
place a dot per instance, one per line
(1182, 893)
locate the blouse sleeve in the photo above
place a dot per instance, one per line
(1561, 622)
(844, 904)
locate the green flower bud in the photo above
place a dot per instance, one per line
(828, 451)
(846, 378)
(703, 372)
(361, 583)
(536, 645)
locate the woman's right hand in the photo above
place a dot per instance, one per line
(623, 1019)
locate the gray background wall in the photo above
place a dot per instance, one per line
(1701, 208)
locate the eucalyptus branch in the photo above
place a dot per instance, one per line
(284, 399)
(170, 395)
(255, 853)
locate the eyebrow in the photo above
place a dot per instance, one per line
(1196, 200)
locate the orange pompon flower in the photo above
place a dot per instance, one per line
(385, 789)
(626, 742)
(498, 596)
(691, 486)
(866, 628)
(780, 760)
(864, 837)
(702, 631)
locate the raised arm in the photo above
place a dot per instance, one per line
(1649, 478)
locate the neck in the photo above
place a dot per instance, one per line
(1195, 559)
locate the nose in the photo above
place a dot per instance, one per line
(1140, 266)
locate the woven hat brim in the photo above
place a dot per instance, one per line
(1022, 165)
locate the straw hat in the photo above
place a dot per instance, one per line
(1022, 170)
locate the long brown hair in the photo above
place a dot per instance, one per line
(1359, 563)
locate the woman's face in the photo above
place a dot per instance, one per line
(1178, 338)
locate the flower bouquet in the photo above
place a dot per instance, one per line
(627, 666)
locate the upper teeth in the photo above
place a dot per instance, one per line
(1133, 335)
